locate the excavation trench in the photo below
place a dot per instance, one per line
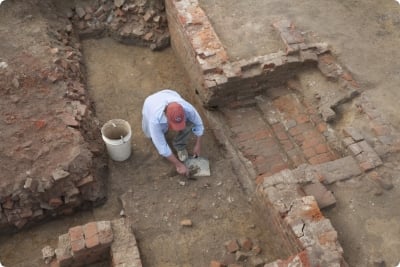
(154, 196)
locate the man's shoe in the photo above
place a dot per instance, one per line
(183, 155)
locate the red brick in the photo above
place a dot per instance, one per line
(260, 178)
(322, 127)
(78, 246)
(310, 141)
(327, 58)
(302, 118)
(256, 250)
(39, 124)
(309, 152)
(328, 238)
(90, 229)
(311, 110)
(245, 136)
(76, 233)
(232, 246)
(366, 166)
(216, 264)
(380, 129)
(278, 127)
(321, 148)
(296, 158)
(287, 145)
(296, 130)
(262, 134)
(313, 212)
(55, 202)
(347, 76)
(279, 166)
(262, 168)
(259, 160)
(354, 84)
(281, 135)
(321, 158)
(54, 263)
(92, 241)
(299, 138)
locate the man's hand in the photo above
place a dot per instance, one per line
(179, 166)
(182, 169)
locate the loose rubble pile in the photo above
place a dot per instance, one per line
(53, 162)
(241, 251)
(136, 22)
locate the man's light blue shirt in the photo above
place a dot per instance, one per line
(154, 120)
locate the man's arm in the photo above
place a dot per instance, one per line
(180, 167)
(197, 147)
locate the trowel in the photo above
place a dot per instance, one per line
(198, 166)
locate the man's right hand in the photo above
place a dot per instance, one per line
(182, 169)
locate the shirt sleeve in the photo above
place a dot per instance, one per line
(194, 117)
(159, 141)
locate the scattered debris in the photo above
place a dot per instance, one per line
(186, 222)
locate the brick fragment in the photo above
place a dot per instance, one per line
(216, 264)
(246, 244)
(323, 197)
(232, 246)
(55, 202)
(76, 233)
(186, 223)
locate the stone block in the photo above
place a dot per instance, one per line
(48, 254)
(323, 197)
(353, 133)
(105, 232)
(338, 170)
(63, 250)
(59, 174)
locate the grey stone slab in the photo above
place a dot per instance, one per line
(338, 170)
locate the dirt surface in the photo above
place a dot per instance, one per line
(365, 37)
(155, 196)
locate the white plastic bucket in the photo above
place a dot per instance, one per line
(117, 135)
